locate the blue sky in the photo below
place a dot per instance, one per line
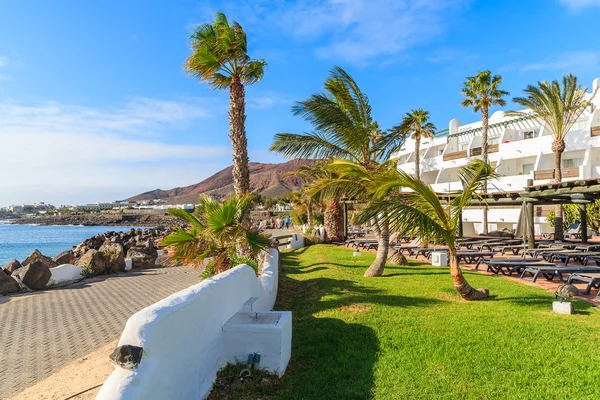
(95, 106)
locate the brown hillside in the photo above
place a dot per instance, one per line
(266, 179)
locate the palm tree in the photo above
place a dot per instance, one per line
(215, 230)
(558, 108)
(417, 123)
(344, 129)
(420, 212)
(302, 198)
(220, 57)
(482, 92)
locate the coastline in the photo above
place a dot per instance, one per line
(148, 220)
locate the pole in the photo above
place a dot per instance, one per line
(530, 227)
(345, 221)
(584, 230)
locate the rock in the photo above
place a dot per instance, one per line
(37, 256)
(114, 255)
(567, 291)
(11, 267)
(127, 356)
(397, 258)
(140, 260)
(93, 261)
(8, 284)
(66, 257)
(35, 275)
(146, 248)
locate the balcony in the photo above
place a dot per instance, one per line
(455, 156)
(595, 130)
(476, 151)
(549, 173)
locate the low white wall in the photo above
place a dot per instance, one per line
(296, 242)
(65, 273)
(182, 335)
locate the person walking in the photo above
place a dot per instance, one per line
(287, 222)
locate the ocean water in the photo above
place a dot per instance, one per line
(18, 241)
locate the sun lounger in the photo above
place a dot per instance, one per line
(415, 243)
(547, 253)
(506, 266)
(591, 278)
(577, 256)
(552, 270)
(515, 248)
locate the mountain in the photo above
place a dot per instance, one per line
(266, 179)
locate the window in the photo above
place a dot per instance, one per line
(572, 162)
(527, 168)
(494, 140)
(463, 146)
(440, 152)
(528, 134)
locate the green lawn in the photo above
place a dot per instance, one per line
(408, 335)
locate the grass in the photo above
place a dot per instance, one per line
(408, 335)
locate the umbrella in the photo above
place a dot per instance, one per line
(523, 228)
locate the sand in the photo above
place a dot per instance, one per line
(78, 376)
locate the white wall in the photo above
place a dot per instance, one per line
(182, 335)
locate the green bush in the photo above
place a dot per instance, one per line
(318, 218)
(298, 218)
(234, 260)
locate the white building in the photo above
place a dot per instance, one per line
(520, 148)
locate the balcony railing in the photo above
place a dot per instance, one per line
(476, 151)
(549, 173)
(595, 130)
(455, 156)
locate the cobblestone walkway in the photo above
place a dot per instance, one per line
(41, 332)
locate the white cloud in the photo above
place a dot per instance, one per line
(64, 154)
(576, 5)
(355, 31)
(266, 100)
(564, 62)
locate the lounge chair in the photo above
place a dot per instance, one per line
(506, 266)
(552, 270)
(591, 278)
(576, 256)
(413, 244)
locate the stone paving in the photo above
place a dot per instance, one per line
(40, 332)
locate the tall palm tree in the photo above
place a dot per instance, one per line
(482, 92)
(215, 230)
(416, 123)
(420, 212)
(557, 107)
(220, 57)
(344, 129)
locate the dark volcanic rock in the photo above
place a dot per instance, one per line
(94, 260)
(11, 266)
(35, 275)
(37, 256)
(114, 255)
(66, 257)
(8, 284)
(140, 260)
(127, 356)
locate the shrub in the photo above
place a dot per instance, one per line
(298, 219)
(311, 239)
(318, 218)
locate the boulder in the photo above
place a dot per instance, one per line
(140, 260)
(37, 256)
(114, 255)
(146, 248)
(11, 267)
(35, 275)
(8, 284)
(93, 261)
(66, 257)
(127, 356)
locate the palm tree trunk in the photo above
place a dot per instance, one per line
(417, 158)
(484, 157)
(558, 146)
(309, 214)
(237, 135)
(383, 245)
(460, 283)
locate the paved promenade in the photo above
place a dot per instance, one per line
(42, 331)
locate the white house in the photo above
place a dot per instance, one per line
(520, 148)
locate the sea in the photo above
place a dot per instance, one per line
(18, 241)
